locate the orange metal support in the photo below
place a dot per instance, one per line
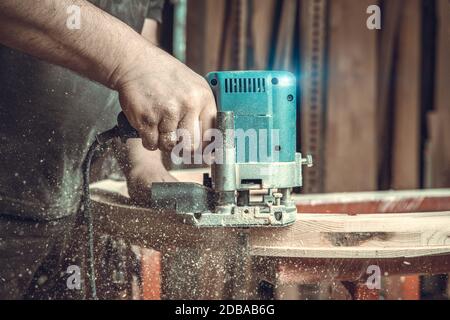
(151, 274)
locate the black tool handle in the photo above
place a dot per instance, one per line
(125, 130)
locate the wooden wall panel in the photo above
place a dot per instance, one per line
(388, 36)
(284, 48)
(261, 31)
(313, 38)
(204, 34)
(351, 143)
(407, 114)
(438, 148)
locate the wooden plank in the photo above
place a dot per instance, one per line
(375, 202)
(313, 235)
(193, 258)
(407, 135)
(351, 135)
(361, 236)
(391, 20)
(348, 253)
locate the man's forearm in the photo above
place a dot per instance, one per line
(157, 93)
(96, 50)
(132, 154)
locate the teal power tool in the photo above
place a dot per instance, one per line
(256, 165)
(259, 109)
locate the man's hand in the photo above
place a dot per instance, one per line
(159, 95)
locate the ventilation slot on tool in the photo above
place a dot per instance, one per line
(245, 85)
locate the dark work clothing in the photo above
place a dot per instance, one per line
(35, 257)
(49, 116)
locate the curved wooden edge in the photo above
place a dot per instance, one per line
(114, 213)
(359, 236)
(337, 236)
(350, 252)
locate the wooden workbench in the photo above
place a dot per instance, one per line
(232, 263)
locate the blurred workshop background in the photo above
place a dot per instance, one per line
(374, 104)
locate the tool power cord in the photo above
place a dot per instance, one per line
(124, 131)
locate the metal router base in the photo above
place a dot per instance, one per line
(197, 205)
(243, 216)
